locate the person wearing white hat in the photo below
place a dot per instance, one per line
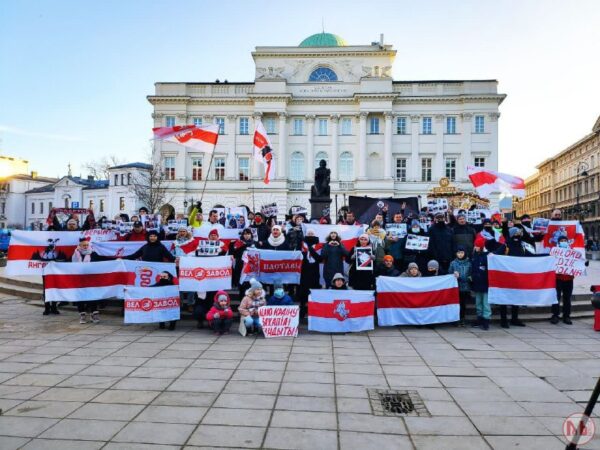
(276, 240)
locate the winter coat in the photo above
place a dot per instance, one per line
(237, 249)
(152, 252)
(285, 245)
(385, 272)
(334, 256)
(463, 236)
(295, 237)
(286, 300)
(479, 272)
(249, 303)
(362, 280)
(395, 247)
(310, 275)
(224, 313)
(463, 267)
(441, 241)
(135, 237)
(262, 232)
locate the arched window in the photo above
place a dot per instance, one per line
(346, 167)
(319, 157)
(323, 75)
(297, 167)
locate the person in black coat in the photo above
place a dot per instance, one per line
(166, 279)
(237, 249)
(334, 253)
(338, 283)
(262, 230)
(387, 268)
(463, 234)
(276, 241)
(153, 250)
(310, 275)
(419, 257)
(441, 239)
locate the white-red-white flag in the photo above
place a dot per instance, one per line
(518, 280)
(348, 233)
(203, 138)
(340, 311)
(268, 266)
(417, 301)
(486, 181)
(203, 274)
(263, 151)
(572, 229)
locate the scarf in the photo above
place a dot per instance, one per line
(276, 242)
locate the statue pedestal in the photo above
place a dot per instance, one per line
(317, 205)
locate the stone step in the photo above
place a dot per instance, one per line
(20, 282)
(21, 291)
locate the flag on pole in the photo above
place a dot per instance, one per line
(340, 311)
(417, 301)
(263, 150)
(487, 181)
(518, 280)
(203, 138)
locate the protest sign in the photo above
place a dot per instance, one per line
(396, 230)
(298, 210)
(569, 261)
(572, 229)
(100, 235)
(151, 304)
(269, 210)
(540, 224)
(415, 242)
(205, 274)
(364, 258)
(209, 248)
(437, 205)
(365, 208)
(279, 321)
(174, 225)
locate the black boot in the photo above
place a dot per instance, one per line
(172, 324)
(554, 319)
(161, 325)
(46, 309)
(477, 322)
(503, 318)
(485, 324)
(54, 308)
(567, 320)
(515, 317)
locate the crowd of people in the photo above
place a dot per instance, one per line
(455, 247)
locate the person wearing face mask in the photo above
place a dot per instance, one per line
(262, 230)
(310, 275)
(238, 248)
(441, 240)
(461, 268)
(419, 257)
(529, 236)
(279, 297)
(433, 269)
(493, 238)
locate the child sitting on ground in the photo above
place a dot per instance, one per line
(248, 309)
(220, 316)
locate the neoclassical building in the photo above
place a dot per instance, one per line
(326, 99)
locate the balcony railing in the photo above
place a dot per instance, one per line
(296, 185)
(346, 185)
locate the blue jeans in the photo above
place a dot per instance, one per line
(252, 322)
(482, 305)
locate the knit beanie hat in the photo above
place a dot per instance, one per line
(413, 265)
(433, 264)
(513, 231)
(479, 241)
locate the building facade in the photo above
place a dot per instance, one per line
(325, 100)
(569, 181)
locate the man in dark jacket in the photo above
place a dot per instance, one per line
(441, 242)
(387, 269)
(463, 235)
(153, 251)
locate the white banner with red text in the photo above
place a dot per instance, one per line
(268, 266)
(203, 274)
(279, 321)
(151, 304)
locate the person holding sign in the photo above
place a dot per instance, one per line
(362, 259)
(333, 254)
(220, 316)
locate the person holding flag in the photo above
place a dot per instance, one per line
(263, 150)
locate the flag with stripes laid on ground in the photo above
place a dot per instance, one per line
(340, 311)
(518, 280)
(417, 301)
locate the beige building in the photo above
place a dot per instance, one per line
(570, 181)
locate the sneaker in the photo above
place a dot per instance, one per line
(95, 317)
(82, 318)
(554, 320)
(567, 321)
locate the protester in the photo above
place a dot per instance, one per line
(479, 278)
(279, 297)
(137, 234)
(363, 279)
(339, 282)
(213, 246)
(350, 219)
(195, 215)
(463, 234)
(153, 250)
(262, 230)
(564, 289)
(248, 309)
(237, 249)
(277, 240)
(220, 316)
(294, 233)
(433, 269)
(184, 239)
(84, 254)
(441, 242)
(387, 268)
(461, 268)
(412, 271)
(376, 233)
(333, 254)
(394, 244)
(165, 279)
(310, 274)
(420, 257)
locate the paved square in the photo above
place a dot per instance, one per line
(65, 385)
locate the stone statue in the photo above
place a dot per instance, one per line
(320, 190)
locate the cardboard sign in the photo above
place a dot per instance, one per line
(174, 225)
(233, 217)
(269, 210)
(364, 258)
(151, 304)
(437, 205)
(540, 224)
(415, 242)
(279, 321)
(301, 210)
(569, 261)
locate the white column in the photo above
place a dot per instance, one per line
(438, 165)
(415, 163)
(257, 168)
(230, 162)
(466, 146)
(492, 126)
(362, 146)
(282, 161)
(387, 147)
(333, 160)
(310, 146)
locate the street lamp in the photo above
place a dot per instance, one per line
(582, 169)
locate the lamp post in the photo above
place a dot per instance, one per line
(582, 169)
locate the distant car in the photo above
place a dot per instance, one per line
(4, 239)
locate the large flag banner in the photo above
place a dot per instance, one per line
(30, 251)
(204, 274)
(225, 234)
(365, 208)
(73, 282)
(98, 234)
(279, 321)
(268, 266)
(203, 138)
(348, 233)
(263, 151)
(151, 304)
(557, 228)
(146, 274)
(518, 280)
(569, 261)
(340, 311)
(120, 249)
(417, 301)
(487, 181)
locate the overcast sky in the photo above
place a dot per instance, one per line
(74, 75)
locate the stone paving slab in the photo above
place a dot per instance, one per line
(111, 386)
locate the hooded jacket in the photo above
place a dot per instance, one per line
(463, 267)
(152, 252)
(224, 313)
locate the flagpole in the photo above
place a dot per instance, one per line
(212, 155)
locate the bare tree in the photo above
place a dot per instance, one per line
(151, 187)
(99, 168)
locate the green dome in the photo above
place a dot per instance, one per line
(323, 40)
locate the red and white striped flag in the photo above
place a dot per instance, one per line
(348, 233)
(340, 311)
(119, 249)
(203, 274)
(263, 151)
(151, 304)
(417, 301)
(203, 138)
(268, 266)
(486, 181)
(518, 280)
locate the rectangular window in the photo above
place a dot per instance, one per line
(116, 179)
(198, 121)
(298, 127)
(426, 169)
(374, 125)
(426, 125)
(346, 127)
(122, 179)
(479, 162)
(450, 125)
(221, 122)
(121, 203)
(49, 206)
(219, 169)
(41, 207)
(401, 125)
(32, 208)
(3, 208)
(401, 169)
(479, 124)
(244, 127)
(196, 169)
(169, 167)
(129, 178)
(322, 127)
(244, 169)
(91, 204)
(270, 125)
(170, 121)
(101, 205)
(451, 168)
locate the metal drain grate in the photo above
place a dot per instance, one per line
(385, 402)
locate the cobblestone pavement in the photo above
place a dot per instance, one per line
(70, 386)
